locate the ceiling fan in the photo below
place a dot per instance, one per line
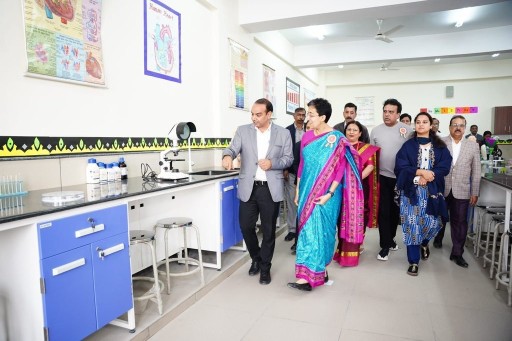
(386, 67)
(383, 36)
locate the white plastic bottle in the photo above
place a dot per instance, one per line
(111, 175)
(103, 173)
(117, 171)
(92, 172)
(124, 168)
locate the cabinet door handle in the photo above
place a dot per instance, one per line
(89, 230)
(228, 188)
(103, 253)
(67, 267)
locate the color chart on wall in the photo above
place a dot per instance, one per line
(239, 69)
(451, 110)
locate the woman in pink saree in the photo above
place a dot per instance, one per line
(349, 244)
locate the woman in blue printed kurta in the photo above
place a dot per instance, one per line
(420, 168)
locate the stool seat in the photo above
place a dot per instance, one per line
(183, 223)
(141, 236)
(174, 222)
(146, 237)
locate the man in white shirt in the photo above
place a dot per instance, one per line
(462, 186)
(266, 150)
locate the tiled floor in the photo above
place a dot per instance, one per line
(374, 301)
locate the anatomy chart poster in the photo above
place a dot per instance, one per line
(162, 41)
(63, 39)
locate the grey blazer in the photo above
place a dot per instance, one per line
(464, 177)
(280, 153)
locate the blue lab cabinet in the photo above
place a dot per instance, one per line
(231, 233)
(86, 277)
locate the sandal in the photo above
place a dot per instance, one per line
(425, 252)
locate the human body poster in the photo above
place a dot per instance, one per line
(269, 86)
(63, 39)
(162, 41)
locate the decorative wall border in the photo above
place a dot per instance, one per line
(41, 146)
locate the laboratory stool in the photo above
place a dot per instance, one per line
(491, 255)
(184, 224)
(145, 237)
(496, 214)
(504, 274)
(482, 208)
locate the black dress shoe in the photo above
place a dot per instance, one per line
(300, 286)
(438, 244)
(459, 261)
(425, 252)
(255, 268)
(326, 278)
(265, 277)
(294, 247)
(289, 236)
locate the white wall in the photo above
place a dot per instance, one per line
(133, 104)
(485, 85)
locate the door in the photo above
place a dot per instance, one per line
(236, 211)
(68, 300)
(228, 187)
(502, 120)
(112, 278)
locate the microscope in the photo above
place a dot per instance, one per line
(182, 131)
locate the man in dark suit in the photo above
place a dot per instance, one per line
(462, 186)
(350, 114)
(266, 150)
(474, 132)
(296, 129)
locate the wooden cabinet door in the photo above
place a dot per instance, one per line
(502, 120)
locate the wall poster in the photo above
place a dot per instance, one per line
(239, 67)
(366, 110)
(292, 96)
(63, 40)
(308, 96)
(269, 77)
(162, 41)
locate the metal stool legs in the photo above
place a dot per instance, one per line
(148, 238)
(183, 224)
(504, 274)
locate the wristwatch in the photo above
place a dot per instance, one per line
(331, 193)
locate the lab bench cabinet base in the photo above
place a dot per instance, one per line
(86, 287)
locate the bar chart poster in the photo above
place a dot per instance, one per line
(292, 96)
(239, 69)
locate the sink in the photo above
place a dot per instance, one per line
(212, 172)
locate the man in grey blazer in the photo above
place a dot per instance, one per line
(462, 186)
(266, 150)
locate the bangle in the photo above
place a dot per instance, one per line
(331, 193)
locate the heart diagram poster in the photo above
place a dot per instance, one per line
(63, 39)
(162, 41)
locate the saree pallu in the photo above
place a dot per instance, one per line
(347, 253)
(370, 156)
(325, 159)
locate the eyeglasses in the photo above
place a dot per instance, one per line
(435, 124)
(455, 125)
(353, 129)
